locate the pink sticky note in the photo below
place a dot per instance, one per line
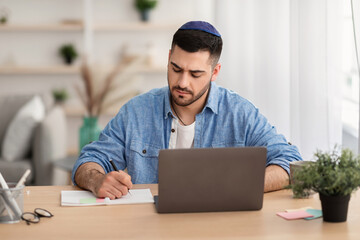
(294, 215)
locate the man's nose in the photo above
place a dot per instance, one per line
(184, 80)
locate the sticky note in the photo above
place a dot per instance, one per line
(294, 215)
(315, 212)
(88, 200)
(91, 200)
(298, 209)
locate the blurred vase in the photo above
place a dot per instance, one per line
(89, 131)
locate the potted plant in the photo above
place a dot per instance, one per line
(334, 175)
(144, 7)
(95, 97)
(60, 95)
(68, 53)
(4, 15)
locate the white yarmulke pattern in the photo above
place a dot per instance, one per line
(17, 141)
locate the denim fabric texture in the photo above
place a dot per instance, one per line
(134, 137)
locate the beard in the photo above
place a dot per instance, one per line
(180, 101)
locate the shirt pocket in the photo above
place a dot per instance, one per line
(143, 162)
(144, 150)
(228, 144)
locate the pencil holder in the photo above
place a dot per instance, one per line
(11, 203)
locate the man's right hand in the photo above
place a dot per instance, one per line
(91, 176)
(113, 185)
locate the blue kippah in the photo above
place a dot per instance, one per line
(202, 26)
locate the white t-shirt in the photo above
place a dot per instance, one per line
(181, 136)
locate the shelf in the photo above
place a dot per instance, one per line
(136, 26)
(21, 70)
(32, 70)
(45, 28)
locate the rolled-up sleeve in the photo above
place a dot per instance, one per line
(261, 133)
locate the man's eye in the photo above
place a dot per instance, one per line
(176, 70)
(195, 76)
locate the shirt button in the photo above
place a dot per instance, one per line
(144, 151)
(173, 130)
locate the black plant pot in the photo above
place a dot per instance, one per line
(145, 15)
(68, 60)
(334, 208)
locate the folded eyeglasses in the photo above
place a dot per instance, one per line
(34, 217)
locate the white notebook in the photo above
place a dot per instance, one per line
(86, 198)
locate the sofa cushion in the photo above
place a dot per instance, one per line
(9, 106)
(12, 171)
(18, 137)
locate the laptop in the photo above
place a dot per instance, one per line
(211, 179)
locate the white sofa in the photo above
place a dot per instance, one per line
(48, 142)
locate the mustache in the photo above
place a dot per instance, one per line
(182, 89)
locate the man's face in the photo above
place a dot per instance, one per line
(189, 75)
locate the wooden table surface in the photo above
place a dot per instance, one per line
(141, 221)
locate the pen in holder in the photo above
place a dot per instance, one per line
(11, 201)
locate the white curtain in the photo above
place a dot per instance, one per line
(285, 57)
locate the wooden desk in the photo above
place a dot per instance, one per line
(142, 222)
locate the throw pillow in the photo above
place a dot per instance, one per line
(19, 133)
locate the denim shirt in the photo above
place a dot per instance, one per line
(133, 138)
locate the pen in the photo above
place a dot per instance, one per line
(23, 178)
(116, 169)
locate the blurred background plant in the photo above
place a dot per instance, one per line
(102, 91)
(144, 7)
(102, 87)
(4, 15)
(60, 95)
(68, 53)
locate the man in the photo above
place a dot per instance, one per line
(191, 112)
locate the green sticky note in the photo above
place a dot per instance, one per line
(88, 200)
(315, 212)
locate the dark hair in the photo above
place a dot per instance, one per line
(197, 40)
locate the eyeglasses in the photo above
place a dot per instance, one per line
(34, 217)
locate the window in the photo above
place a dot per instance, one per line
(350, 82)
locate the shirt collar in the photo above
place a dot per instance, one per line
(167, 108)
(213, 98)
(212, 101)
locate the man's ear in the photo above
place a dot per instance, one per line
(216, 71)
